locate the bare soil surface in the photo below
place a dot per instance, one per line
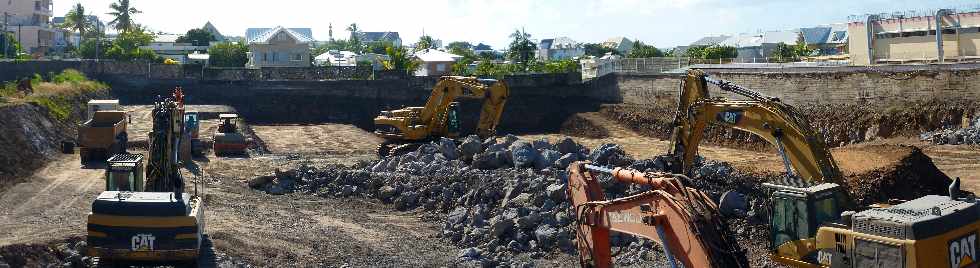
(329, 139)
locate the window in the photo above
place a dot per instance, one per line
(441, 67)
(265, 56)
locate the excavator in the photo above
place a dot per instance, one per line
(684, 220)
(152, 220)
(811, 220)
(407, 128)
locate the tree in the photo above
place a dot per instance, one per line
(9, 47)
(801, 50)
(562, 66)
(425, 42)
(458, 46)
(123, 14)
(76, 21)
(87, 49)
(126, 46)
(783, 52)
(197, 37)
(227, 54)
(400, 60)
(641, 50)
(378, 47)
(712, 52)
(598, 50)
(521, 49)
(354, 42)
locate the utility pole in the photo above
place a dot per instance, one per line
(3, 33)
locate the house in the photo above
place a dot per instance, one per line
(482, 48)
(278, 47)
(199, 58)
(704, 41)
(929, 36)
(71, 37)
(214, 32)
(374, 37)
(166, 46)
(30, 24)
(826, 40)
(621, 44)
(336, 58)
(561, 48)
(435, 62)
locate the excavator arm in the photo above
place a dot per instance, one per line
(684, 220)
(802, 149)
(451, 87)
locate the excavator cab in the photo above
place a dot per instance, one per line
(124, 172)
(796, 214)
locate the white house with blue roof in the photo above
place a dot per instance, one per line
(278, 47)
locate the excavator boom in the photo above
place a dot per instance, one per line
(684, 220)
(805, 156)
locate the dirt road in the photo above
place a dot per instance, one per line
(50, 205)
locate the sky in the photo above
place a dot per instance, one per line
(663, 23)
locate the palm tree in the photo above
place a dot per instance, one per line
(76, 21)
(425, 42)
(354, 42)
(124, 15)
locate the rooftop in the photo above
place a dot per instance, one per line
(262, 35)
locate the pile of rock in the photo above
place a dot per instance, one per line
(969, 135)
(65, 253)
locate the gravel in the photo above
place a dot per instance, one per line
(968, 136)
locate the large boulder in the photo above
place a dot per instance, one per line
(566, 160)
(448, 148)
(545, 235)
(470, 147)
(488, 160)
(567, 145)
(523, 154)
(609, 155)
(546, 159)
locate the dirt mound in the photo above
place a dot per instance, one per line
(877, 173)
(579, 126)
(30, 133)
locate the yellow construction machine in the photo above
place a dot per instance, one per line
(406, 128)
(154, 221)
(810, 220)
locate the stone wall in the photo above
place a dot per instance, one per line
(839, 85)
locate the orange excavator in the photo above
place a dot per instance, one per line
(684, 220)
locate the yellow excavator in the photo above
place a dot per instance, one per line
(152, 220)
(405, 129)
(810, 221)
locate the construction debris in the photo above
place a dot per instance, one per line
(969, 135)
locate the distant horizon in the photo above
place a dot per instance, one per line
(491, 22)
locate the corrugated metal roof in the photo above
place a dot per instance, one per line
(816, 35)
(166, 38)
(546, 43)
(775, 37)
(742, 40)
(262, 35)
(565, 42)
(710, 40)
(378, 36)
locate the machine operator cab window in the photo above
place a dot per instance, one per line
(124, 172)
(228, 123)
(797, 213)
(452, 119)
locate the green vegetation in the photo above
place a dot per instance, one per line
(521, 49)
(641, 50)
(13, 48)
(227, 54)
(598, 50)
(76, 21)
(425, 42)
(712, 52)
(400, 60)
(126, 47)
(56, 94)
(354, 43)
(122, 14)
(197, 37)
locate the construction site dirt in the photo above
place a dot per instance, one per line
(42, 219)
